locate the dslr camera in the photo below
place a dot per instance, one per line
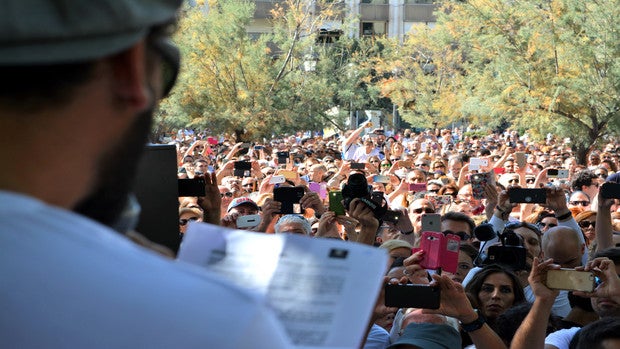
(511, 253)
(357, 187)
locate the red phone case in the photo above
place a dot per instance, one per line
(450, 259)
(431, 243)
(440, 251)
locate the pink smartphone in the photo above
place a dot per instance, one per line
(450, 257)
(417, 187)
(431, 243)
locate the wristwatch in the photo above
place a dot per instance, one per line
(476, 324)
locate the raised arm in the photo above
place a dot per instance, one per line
(532, 332)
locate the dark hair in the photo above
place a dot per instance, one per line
(30, 88)
(542, 215)
(592, 335)
(581, 178)
(460, 217)
(475, 284)
(612, 253)
(507, 323)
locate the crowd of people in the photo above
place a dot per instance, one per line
(81, 82)
(434, 172)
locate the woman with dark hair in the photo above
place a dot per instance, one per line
(495, 290)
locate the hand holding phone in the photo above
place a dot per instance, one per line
(412, 296)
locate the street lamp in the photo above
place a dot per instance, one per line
(310, 61)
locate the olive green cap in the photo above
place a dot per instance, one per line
(64, 31)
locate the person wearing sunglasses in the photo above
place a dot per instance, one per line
(546, 220)
(188, 214)
(587, 223)
(417, 209)
(80, 83)
(579, 201)
(458, 223)
(586, 182)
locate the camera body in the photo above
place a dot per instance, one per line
(511, 253)
(357, 188)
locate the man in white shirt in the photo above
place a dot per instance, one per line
(80, 83)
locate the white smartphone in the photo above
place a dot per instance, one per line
(277, 179)
(249, 221)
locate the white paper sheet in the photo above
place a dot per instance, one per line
(323, 290)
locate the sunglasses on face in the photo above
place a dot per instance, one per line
(463, 235)
(227, 194)
(422, 209)
(171, 59)
(601, 175)
(579, 203)
(514, 180)
(543, 225)
(386, 165)
(184, 221)
(530, 181)
(587, 224)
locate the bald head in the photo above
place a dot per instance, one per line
(564, 245)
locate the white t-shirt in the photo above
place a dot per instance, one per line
(69, 282)
(561, 339)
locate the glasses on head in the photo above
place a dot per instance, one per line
(587, 224)
(184, 221)
(579, 203)
(463, 235)
(227, 194)
(514, 180)
(422, 210)
(171, 59)
(543, 225)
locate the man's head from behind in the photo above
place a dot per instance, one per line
(564, 246)
(88, 73)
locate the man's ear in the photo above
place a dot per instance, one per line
(130, 73)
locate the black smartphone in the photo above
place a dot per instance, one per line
(242, 169)
(289, 197)
(191, 187)
(527, 195)
(610, 190)
(392, 216)
(258, 147)
(282, 157)
(552, 173)
(358, 166)
(412, 296)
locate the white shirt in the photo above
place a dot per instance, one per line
(361, 155)
(561, 338)
(69, 282)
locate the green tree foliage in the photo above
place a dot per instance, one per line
(544, 66)
(253, 86)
